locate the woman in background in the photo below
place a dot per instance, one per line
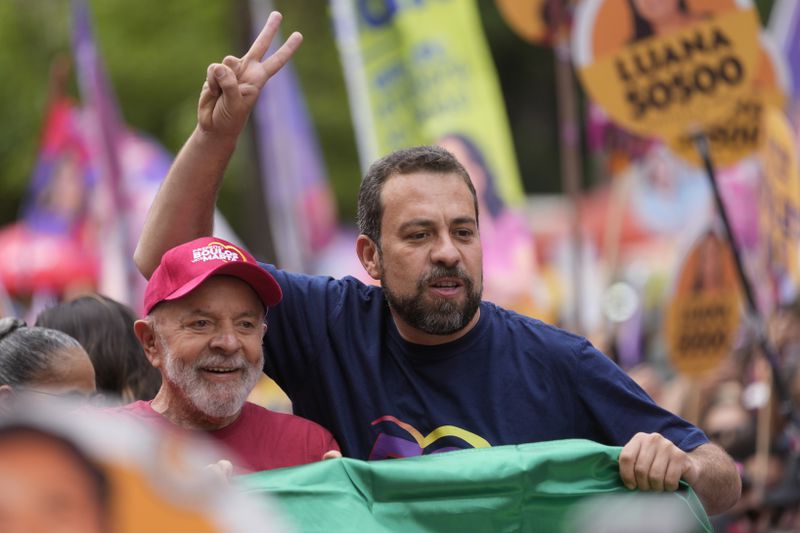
(43, 361)
(105, 329)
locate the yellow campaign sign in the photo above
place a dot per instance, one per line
(742, 132)
(418, 72)
(704, 312)
(780, 209)
(666, 70)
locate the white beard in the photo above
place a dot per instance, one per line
(215, 400)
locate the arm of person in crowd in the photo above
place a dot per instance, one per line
(222, 470)
(650, 462)
(183, 209)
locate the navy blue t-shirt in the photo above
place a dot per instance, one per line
(333, 347)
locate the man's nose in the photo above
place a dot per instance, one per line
(226, 339)
(445, 252)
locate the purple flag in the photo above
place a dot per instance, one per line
(104, 132)
(784, 26)
(301, 207)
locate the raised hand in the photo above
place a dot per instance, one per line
(183, 209)
(232, 87)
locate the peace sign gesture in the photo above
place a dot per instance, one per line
(232, 87)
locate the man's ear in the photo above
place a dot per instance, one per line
(369, 256)
(147, 338)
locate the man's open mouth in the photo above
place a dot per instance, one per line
(220, 370)
(446, 284)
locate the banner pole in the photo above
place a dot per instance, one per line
(570, 158)
(784, 399)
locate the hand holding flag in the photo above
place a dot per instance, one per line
(650, 462)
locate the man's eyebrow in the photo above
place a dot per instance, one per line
(199, 311)
(196, 311)
(428, 223)
(417, 223)
(251, 313)
(464, 220)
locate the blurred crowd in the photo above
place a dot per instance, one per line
(740, 406)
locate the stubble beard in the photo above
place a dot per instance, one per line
(215, 400)
(441, 316)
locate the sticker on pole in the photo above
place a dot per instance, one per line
(665, 67)
(704, 313)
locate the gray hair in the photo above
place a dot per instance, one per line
(433, 159)
(28, 352)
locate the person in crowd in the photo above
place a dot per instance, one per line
(48, 484)
(206, 306)
(105, 329)
(422, 365)
(42, 361)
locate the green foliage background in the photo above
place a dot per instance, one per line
(157, 51)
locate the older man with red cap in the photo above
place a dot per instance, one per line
(206, 306)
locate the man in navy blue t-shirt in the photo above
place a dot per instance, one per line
(421, 364)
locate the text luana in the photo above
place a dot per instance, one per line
(664, 74)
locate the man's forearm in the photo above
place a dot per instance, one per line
(718, 484)
(183, 208)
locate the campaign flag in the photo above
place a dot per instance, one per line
(301, 207)
(418, 72)
(784, 26)
(129, 167)
(780, 201)
(49, 250)
(545, 486)
(56, 200)
(110, 208)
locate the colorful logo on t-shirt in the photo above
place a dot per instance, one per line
(392, 447)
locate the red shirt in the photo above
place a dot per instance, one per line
(259, 439)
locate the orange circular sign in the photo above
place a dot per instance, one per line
(666, 67)
(742, 132)
(703, 315)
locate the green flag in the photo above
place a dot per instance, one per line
(569, 485)
(418, 72)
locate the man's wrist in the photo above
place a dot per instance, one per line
(214, 140)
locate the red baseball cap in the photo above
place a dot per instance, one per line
(185, 267)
